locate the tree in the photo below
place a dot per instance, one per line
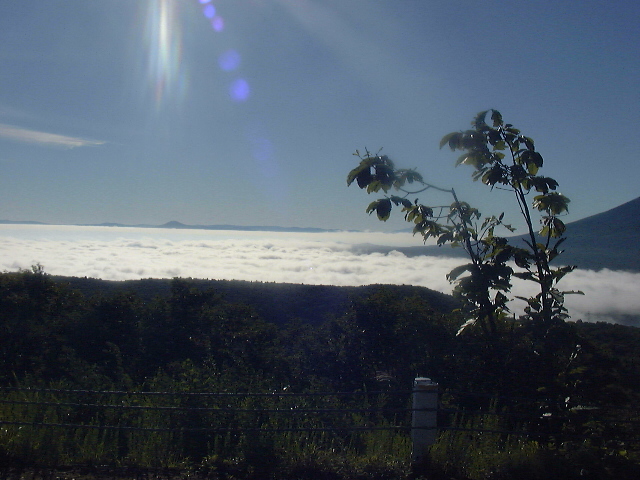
(35, 313)
(502, 158)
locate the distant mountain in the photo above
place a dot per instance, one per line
(13, 222)
(178, 225)
(175, 224)
(609, 239)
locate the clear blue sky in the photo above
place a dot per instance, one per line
(247, 111)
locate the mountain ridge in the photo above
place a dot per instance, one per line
(174, 224)
(610, 239)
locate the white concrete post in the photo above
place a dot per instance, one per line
(424, 418)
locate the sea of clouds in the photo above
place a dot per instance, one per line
(118, 253)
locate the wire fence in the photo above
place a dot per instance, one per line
(113, 424)
(275, 403)
(318, 411)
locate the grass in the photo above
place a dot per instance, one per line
(65, 428)
(154, 438)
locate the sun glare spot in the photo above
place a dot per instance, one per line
(217, 23)
(205, 1)
(209, 11)
(229, 60)
(164, 49)
(239, 90)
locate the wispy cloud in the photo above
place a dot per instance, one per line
(25, 135)
(123, 254)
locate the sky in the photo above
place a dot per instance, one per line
(330, 258)
(247, 112)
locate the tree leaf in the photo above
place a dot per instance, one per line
(459, 270)
(494, 137)
(467, 159)
(465, 325)
(495, 174)
(500, 146)
(401, 201)
(496, 116)
(374, 186)
(445, 237)
(364, 178)
(447, 139)
(555, 203)
(353, 174)
(382, 207)
(528, 142)
(479, 121)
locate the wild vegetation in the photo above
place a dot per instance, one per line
(503, 159)
(57, 340)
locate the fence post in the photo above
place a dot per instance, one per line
(424, 417)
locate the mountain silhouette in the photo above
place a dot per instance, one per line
(609, 239)
(174, 224)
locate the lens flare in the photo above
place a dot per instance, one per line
(239, 90)
(209, 11)
(229, 60)
(217, 23)
(164, 51)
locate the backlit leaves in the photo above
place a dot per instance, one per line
(530, 159)
(540, 184)
(364, 178)
(418, 213)
(406, 176)
(456, 272)
(496, 116)
(552, 227)
(451, 139)
(374, 173)
(401, 201)
(503, 158)
(554, 203)
(496, 174)
(382, 208)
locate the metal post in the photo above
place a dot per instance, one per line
(424, 418)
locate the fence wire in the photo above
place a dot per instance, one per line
(394, 418)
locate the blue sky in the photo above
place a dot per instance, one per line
(247, 112)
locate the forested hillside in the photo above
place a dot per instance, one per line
(275, 302)
(196, 336)
(330, 336)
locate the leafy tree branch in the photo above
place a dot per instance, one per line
(501, 158)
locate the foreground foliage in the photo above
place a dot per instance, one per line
(503, 159)
(192, 339)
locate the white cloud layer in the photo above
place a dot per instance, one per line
(128, 253)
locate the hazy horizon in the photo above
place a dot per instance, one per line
(283, 257)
